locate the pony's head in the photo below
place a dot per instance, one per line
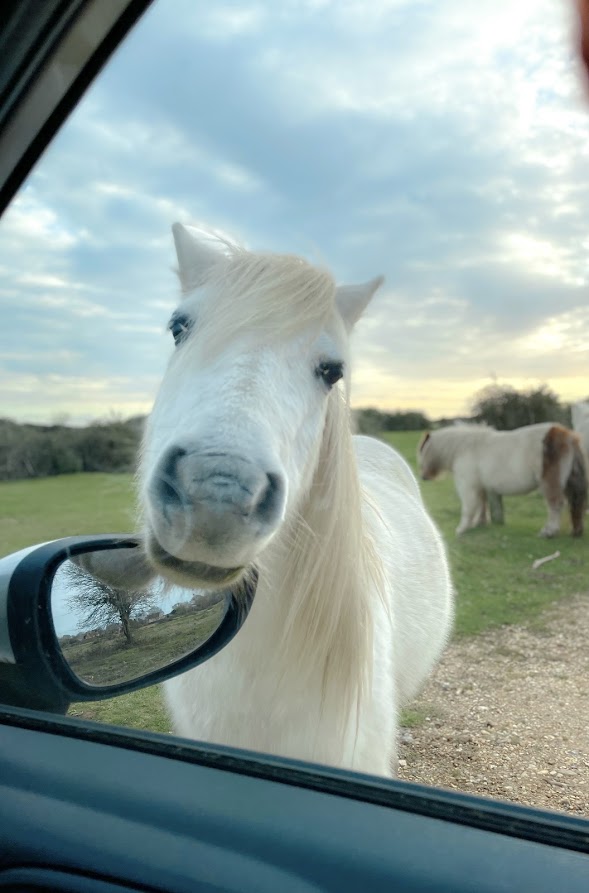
(427, 460)
(233, 441)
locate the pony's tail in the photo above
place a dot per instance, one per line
(577, 485)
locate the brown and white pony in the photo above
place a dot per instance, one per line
(544, 456)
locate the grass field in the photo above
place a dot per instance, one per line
(70, 504)
(492, 567)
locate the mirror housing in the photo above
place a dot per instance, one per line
(34, 672)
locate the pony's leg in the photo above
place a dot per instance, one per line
(496, 507)
(556, 462)
(377, 749)
(554, 496)
(472, 504)
(481, 516)
(380, 760)
(576, 486)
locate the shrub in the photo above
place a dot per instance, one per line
(504, 408)
(31, 451)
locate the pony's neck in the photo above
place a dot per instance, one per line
(320, 568)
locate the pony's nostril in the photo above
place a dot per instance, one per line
(170, 460)
(166, 487)
(271, 502)
(168, 493)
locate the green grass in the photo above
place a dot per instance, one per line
(39, 510)
(491, 567)
(416, 716)
(139, 710)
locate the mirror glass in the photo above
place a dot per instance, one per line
(116, 622)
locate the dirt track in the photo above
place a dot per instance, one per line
(507, 714)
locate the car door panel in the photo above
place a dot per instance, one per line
(161, 823)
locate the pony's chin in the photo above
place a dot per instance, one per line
(195, 574)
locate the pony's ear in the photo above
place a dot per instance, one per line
(423, 441)
(352, 300)
(196, 255)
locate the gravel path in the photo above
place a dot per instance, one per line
(506, 714)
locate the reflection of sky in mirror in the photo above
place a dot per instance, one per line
(442, 144)
(67, 623)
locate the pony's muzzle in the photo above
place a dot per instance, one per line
(212, 500)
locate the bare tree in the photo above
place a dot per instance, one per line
(98, 603)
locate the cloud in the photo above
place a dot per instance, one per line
(82, 399)
(443, 145)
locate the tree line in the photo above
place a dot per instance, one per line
(505, 408)
(374, 421)
(32, 451)
(501, 406)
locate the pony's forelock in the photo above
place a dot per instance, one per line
(266, 295)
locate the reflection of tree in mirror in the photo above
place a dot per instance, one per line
(100, 605)
(102, 657)
(124, 633)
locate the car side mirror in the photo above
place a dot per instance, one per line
(87, 618)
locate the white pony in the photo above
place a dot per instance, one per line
(508, 463)
(248, 461)
(580, 417)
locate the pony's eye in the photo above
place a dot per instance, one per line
(330, 373)
(179, 326)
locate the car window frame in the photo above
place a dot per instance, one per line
(49, 68)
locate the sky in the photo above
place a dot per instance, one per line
(442, 143)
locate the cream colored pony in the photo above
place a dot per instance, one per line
(545, 456)
(248, 461)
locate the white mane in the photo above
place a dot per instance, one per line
(327, 624)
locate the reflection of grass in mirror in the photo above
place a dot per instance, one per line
(108, 660)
